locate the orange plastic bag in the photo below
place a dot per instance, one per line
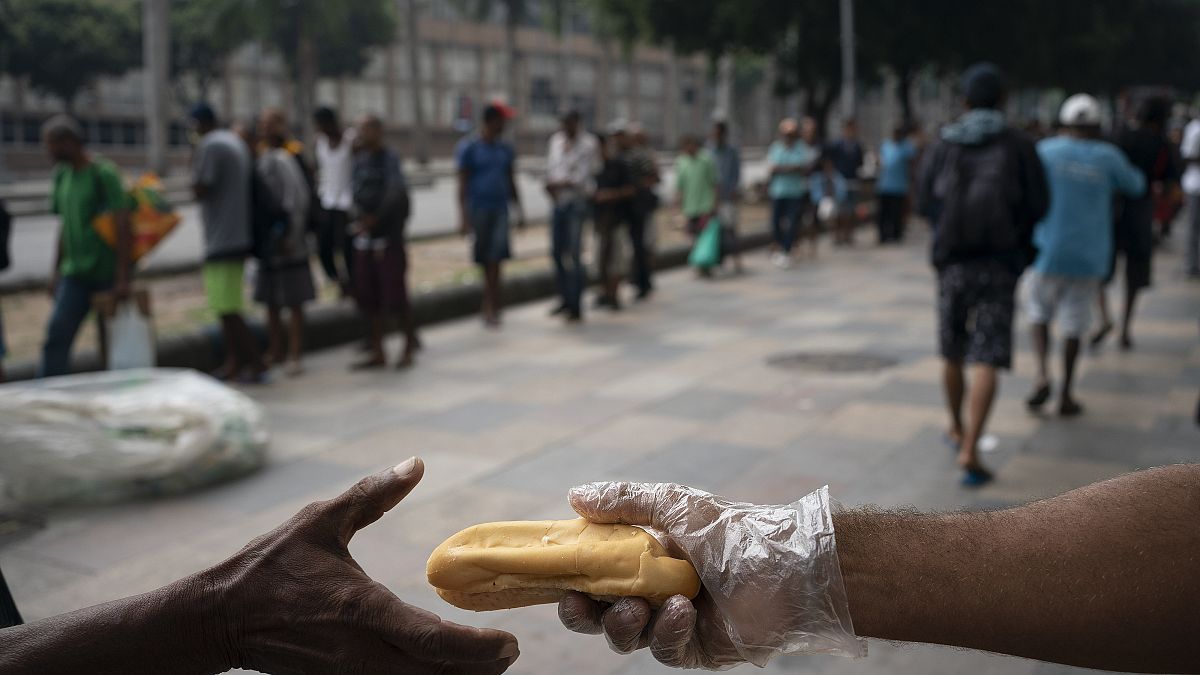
(151, 219)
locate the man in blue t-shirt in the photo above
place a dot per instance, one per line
(1075, 239)
(896, 157)
(789, 162)
(486, 183)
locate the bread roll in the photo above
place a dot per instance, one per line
(516, 564)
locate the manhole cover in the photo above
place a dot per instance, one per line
(832, 362)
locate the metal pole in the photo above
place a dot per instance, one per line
(849, 78)
(156, 62)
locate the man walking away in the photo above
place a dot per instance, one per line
(1190, 150)
(221, 182)
(984, 188)
(613, 200)
(635, 150)
(728, 159)
(1147, 148)
(335, 162)
(1074, 241)
(846, 153)
(896, 156)
(789, 161)
(381, 209)
(486, 183)
(83, 188)
(696, 181)
(570, 166)
(284, 278)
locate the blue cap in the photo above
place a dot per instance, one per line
(203, 112)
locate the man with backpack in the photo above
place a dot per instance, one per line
(222, 183)
(983, 188)
(83, 187)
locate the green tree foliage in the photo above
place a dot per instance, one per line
(200, 44)
(313, 37)
(62, 46)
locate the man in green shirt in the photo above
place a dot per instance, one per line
(85, 264)
(696, 181)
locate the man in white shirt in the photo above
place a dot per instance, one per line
(335, 164)
(570, 168)
(1190, 150)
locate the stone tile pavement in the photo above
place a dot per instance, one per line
(674, 390)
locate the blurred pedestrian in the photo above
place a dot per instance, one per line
(728, 158)
(571, 165)
(984, 188)
(1075, 239)
(635, 150)
(83, 187)
(285, 278)
(222, 183)
(486, 184)
(789, 161)
(613, 201)
(1190, 150)
(696, 184)
(846, 153)
(5, 261)
(896, 157)
(809, 227)
(335, 163)
(829, 193)
(1147, 147)
(381, 210)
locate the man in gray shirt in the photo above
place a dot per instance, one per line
(222, 178)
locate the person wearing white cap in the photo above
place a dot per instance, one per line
(1074, 239)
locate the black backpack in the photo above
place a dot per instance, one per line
(5, 236)
(981, 214)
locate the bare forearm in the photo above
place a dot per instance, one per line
(1107, 576)
(167, 630)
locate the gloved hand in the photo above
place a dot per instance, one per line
(772, 582)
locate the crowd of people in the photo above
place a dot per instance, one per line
(997, 202)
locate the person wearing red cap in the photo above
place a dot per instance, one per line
(486, 183)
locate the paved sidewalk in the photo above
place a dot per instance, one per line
(675, 390)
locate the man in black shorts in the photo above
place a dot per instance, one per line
(1147, 147)
(984, 188)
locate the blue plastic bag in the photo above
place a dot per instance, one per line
(706, 252)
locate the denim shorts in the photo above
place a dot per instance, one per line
(490, 227)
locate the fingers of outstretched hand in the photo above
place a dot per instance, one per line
(672, 634)
(580, 614)
(624, 624)
(629, 503)
(368, 499)
(431, 638)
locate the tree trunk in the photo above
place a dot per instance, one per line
(512, 71)
(306, 83)
(904, 80)
(416, 89)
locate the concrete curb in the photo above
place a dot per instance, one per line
(332, 326)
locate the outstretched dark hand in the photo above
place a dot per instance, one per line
(303, 605)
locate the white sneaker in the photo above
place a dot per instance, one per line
(781, 260)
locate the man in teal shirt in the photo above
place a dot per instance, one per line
(790, 160)
(696, 181)
(84, 187)
(1075, 239)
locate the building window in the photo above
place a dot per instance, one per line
(31, 131)
(542, 98)
(106, 134)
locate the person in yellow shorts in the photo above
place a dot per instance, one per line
(222, 182)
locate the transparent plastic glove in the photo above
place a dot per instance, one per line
(772, 582)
